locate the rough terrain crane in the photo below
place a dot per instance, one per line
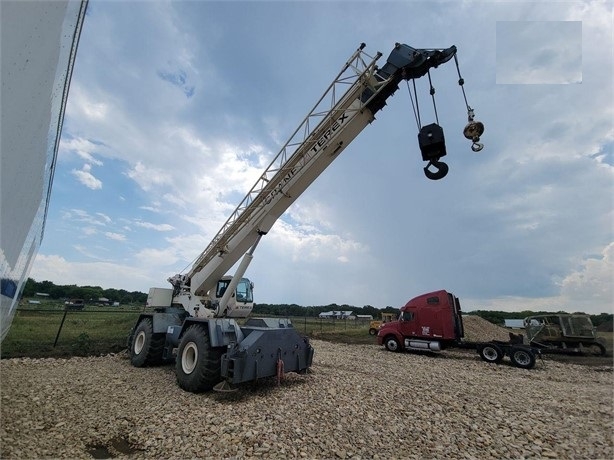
(194, 321)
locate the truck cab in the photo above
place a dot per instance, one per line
(430, 321)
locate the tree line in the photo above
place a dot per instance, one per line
(87, 293)
(495, 317)
(313, 311)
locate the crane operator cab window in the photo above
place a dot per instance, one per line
(244, 291)
(222, 285)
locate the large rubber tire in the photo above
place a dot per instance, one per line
(523, 358)
(198, 365)
(491, 353)
(372, 331)
(392, 344)
(146, 348)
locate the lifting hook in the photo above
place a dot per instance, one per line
(441, 170)
(473, 130)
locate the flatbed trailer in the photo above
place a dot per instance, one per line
(520, 354)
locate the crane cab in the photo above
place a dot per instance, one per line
(241, 302)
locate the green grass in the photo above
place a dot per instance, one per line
(88, 332)
(97, 331)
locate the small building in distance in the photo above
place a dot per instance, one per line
(337, 315)
(364, 317)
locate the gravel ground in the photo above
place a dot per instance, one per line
(359, 401)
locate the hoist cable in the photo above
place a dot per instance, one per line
(432, 92)
(413, 106)
(417, 104)
(461, 82)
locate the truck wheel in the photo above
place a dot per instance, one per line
(491, 353)
(372, 331)
(146, 348)
(522, 358)
(198, 365)
(392, 344)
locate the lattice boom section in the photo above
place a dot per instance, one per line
(329, 113)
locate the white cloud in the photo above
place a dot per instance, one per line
(87, 178)
(104, 274)
(309, 244)
(80, 215)
(104, 217)
(84, 148)
(89, 105)
(115, 236)
(157, 227)
(592, 285)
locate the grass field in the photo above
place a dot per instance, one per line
(89, 332)
(98, 331)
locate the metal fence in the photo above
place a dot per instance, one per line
(61, 331)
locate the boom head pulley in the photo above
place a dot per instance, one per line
(406, 63)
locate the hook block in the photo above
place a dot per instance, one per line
(432, 142)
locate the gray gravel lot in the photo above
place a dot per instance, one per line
(359, 401)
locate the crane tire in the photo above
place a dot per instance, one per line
(146, 348)
(491, 353)
(522, 357)
(198, 364)
(372, 331)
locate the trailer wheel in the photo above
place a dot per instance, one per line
(522, 358)
(392, 344)
(146, 348)
(372, 331)
(198, 365)
(491, 353)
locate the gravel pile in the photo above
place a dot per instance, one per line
(359, 401)
(480, 330)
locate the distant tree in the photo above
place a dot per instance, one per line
(602, 318)
(30, 288)
(88, 293)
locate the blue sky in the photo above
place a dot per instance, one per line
(175, 109)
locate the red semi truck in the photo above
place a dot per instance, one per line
(434, 322)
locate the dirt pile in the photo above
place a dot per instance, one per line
(480, 330)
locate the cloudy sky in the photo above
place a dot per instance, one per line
(175, 109)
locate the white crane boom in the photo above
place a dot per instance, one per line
(333, 123)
